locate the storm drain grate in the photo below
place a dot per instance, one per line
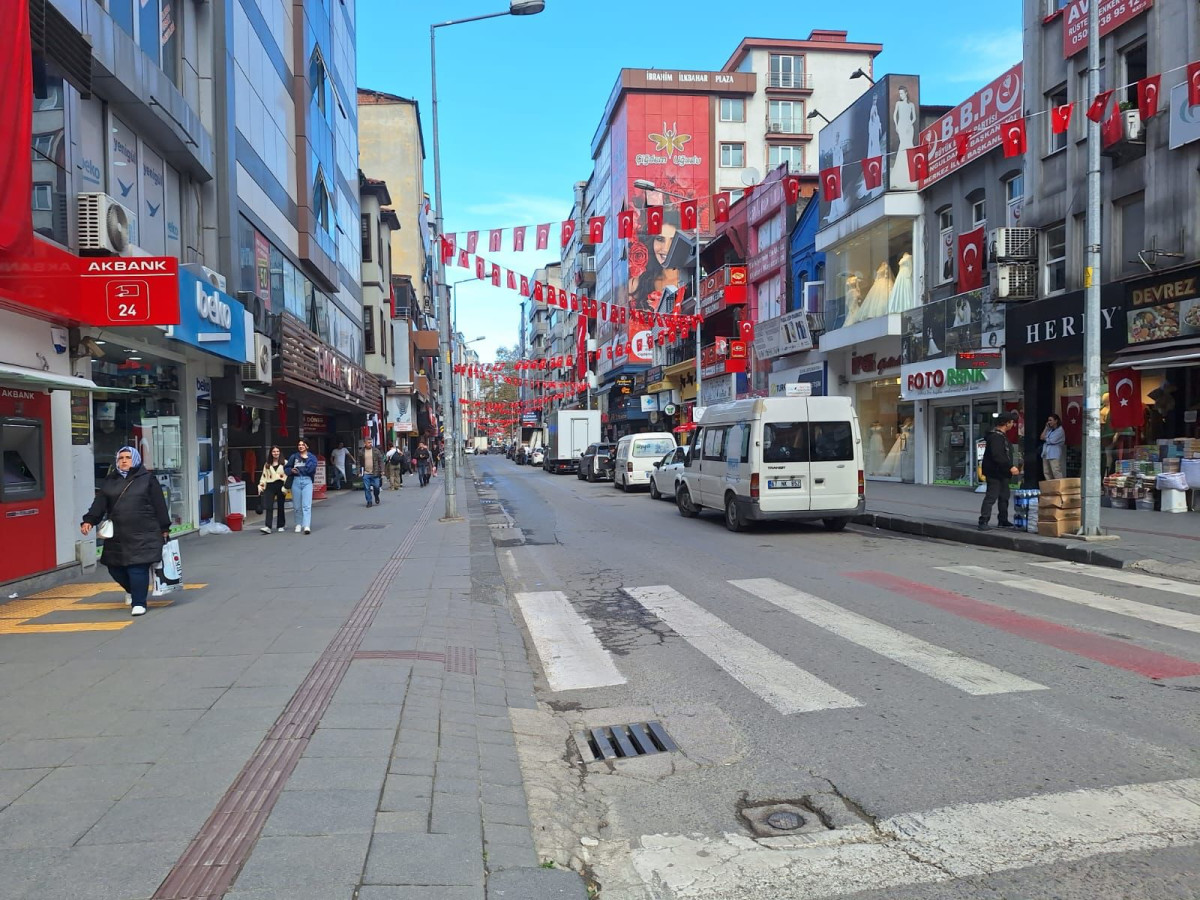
(624, 741)
(486, 501)
(366, 527)
(461, 660)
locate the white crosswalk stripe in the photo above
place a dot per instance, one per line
(952, 668)
(571, 654)
(1148, 612)
(1124, 576)
(780, 683)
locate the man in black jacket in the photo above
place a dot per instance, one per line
(998, 468)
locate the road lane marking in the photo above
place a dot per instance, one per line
(1102, 649)
(1160, 615)
(572, 656)
(941, 845)
(951, 668)
(1124, 576)
(780, 683)
(17, 616)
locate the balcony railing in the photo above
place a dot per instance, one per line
(787, 125)
(799, 81)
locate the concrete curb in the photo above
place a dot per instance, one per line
(999, 539)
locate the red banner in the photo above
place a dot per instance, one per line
(979, 117)
(1113, 14)
(16, 119)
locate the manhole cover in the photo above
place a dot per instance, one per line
(366, 527)
(774, 818)
(785, 821)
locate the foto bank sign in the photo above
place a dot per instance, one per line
(211, 320)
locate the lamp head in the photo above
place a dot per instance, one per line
(526, 7)
(859, 73)
(814, 114)
(644, 184)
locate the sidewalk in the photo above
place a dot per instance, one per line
(316, 717)
(1166, 544)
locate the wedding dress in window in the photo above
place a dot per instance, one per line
(902, 291)
(876, 302)
(854, 300)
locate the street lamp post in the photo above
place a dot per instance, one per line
(643, 184)
(445, 387)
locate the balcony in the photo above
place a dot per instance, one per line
(425, 342)
(421, 386)
(790, 81)
(787, 126)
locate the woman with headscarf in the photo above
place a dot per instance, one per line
(132, 499)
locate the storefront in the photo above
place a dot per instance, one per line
(815, 375)
(871, 378)
(667, 410)
(953, 403)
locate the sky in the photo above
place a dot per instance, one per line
(521, 97)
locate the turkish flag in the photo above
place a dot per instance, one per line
(1124, 399)
(961, 140)
(524, 289)
(1113, 128)
(1096, 111)
(447, 248)
(568, 231)
(1193, 83)
(511, 284)
(720, 204)
(1148, 96)
(1014, 141)
(791, 188)
(746, 330)
(495, 275)
(1060, 118)
(562, 298)
(472, 241)
(872, 169)
(543, 236)
(494, 240)
(463, 261)
(479, 267)
(654, 219)
(918, 163)
(971, 260)
(537, 292)
(519, 238)
(687, 214)
(831, 183)
(625, 221)
(596, 230)
(1072, 418)
(581, 339)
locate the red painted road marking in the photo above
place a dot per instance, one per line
(1093, 646)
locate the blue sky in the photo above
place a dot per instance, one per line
(521, 97)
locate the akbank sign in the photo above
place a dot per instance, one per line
(211, 320)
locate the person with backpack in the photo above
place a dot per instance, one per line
(395, 466)
(424, 461)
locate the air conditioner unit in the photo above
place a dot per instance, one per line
(104, 224)
(1014, 243)
(257, 308)
(204, 273)
(775, 127)
(1016, 281)
(260, 368)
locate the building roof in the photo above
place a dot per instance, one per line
(376, 186)
(389, 218)
(823, 40)
(369, 97)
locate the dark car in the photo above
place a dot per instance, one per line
(596, 463)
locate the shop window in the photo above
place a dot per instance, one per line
(945, 260)
(1014, 199)
(1054, 99)
(1131, 216)
(733, 109)
(21, 460)
(871, 274)
(1055, 266)
(733, 156)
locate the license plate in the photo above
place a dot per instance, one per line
(784, 483)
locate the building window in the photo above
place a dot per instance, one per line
(43, 197)
(786, 71)
(733, 109)
(1131, 216)
(1055, 265)
(793, 156)
(733, 156)
(945, 261)
(366, 237)
(978, 210)
(1084, 99)
(1134, 63)
(43, 145)
(321, 203)
(1014, 199)
(1053, 6)
(1055, 142)
(786, 117)
(369, 329)
(318, 85)
(383, 333)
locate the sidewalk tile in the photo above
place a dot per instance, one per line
(394, 892)
(316, 773)
(361, 715)
(32, 825)
(148, 819)
(424, 859)
(322, 812)
(348, 743)
(285, 864)
(85, 784)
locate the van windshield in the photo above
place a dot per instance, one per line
(807, 442)
(656, 447)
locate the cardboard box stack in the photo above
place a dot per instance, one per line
(1059, 506)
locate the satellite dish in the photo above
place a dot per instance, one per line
(750, 176)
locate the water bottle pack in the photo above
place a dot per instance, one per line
(1025, 508)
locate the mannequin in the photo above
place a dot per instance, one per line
(854, 299)
(902, 292)
(875, 459)
(892, 462)
(876, 302)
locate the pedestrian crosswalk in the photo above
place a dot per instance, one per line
(574, 658)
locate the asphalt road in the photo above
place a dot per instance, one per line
(856, 677)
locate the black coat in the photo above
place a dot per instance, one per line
(139, 517)
(997, 457)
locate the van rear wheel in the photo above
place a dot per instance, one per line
(683, 502)
(733, 517)
(837, 524)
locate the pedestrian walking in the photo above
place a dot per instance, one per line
(997, 466)
(1054, 438)
(395, 466)
(131, 499)
(424, 461)
(271, 488)
(372, 472)
(301, 468)
(340, 457)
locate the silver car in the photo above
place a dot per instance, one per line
(665, 476)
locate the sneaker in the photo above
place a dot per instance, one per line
(369, 504)
(139, 610)
(308, 531)
(279, 529)
(297, 529)
(129, 599)
(265, 530)
(1007, 525)
(984, 526)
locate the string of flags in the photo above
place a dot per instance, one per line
(1014, 136)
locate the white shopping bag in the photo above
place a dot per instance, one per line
(168, 574)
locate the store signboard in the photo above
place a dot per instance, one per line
(1185, 118)
(401, 412)
(968, 321)
(943, 378)
(1051, 330)
(315, 423)
(722, 288)
(813, 375)
(211, 320)
(1113, 14)
(649, 403)
(1164, 306)
(979, 117)
(782, 335)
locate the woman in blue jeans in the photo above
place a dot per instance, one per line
(302, 467)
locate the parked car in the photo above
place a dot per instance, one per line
(636, 455)
(521, 455)
(537, 456)
(665, 476)
(596, 463)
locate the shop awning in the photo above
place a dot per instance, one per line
(1172, 356)
(46, 381)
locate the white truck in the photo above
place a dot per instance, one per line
(568, 434)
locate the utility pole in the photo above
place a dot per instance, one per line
(1090, 523)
